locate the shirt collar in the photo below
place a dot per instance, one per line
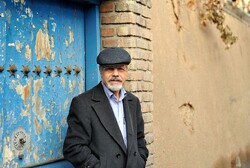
(110, 94)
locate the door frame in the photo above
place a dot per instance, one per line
(92, 45)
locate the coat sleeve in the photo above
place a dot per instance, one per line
(78, 137)
(141, 142)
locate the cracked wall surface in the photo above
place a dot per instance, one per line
(201, 95)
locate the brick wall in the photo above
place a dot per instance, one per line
(127, 24)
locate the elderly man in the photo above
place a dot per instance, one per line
(105, 124)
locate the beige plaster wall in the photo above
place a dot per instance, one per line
(201, 91)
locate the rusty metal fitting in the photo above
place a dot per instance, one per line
(77, 70)
(1, 69)
(37, 70)
(48, 70)
(68, 70)
(12, 69)
(25, 70)
(58, 71)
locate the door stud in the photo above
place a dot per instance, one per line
(25, 70)
(77, 70)
(12, 69)
(68, 70)
(1, 69)
(58, 71)
(37, 70)
(48, 70)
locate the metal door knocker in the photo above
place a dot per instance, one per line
(19, 142)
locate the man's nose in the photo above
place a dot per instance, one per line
(115, 72)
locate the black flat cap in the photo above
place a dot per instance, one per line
(113, 56)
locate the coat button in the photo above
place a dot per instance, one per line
(135, 153)
(118, 155)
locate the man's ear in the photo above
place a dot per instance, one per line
(100, 71)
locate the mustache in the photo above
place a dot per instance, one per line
(116, 79)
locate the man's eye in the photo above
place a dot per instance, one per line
(121, 69)
(110, 69)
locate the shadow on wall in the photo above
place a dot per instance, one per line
(236, 160)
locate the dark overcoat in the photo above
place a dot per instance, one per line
(94, 139)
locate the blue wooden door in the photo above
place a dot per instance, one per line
(42, 66)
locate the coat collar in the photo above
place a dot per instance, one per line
(106, 116)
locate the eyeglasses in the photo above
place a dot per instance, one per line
(122, 68)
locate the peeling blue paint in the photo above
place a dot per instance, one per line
(2, 75)
(44, 34)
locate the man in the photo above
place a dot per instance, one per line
(105, 124)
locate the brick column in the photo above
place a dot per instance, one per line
(127, 24)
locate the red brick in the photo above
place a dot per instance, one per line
(107, 7)
(107, 32)
(119, 18)
(110, 42)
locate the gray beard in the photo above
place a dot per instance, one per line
(114, 87)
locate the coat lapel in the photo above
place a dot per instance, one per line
(106, 115)
(129, 123)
